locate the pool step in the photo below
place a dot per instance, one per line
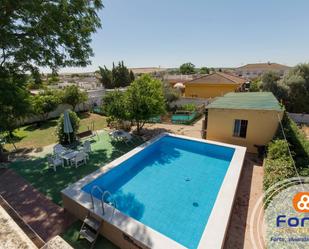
(87, 234)
(90, 229)
(93, 223)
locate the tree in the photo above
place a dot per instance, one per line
(170, 94)
(45, 103)
(144, 100)
(254, 86)
(73, 96)
(106, 77)
(36, 34)
(64, 138)
(270, 83)
(114, 105)
(132, 76)
(187, 68)
(204, 70)
(297, 83)
(119, 76)
(14, 99)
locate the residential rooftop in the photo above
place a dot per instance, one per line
(217, 78)
(247, 100)
(263, 66)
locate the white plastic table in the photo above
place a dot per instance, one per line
(69, 156)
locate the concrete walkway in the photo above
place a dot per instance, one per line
(45, 217)
(250, 189)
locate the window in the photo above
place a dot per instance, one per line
(240, 128)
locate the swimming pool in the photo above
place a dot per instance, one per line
(170, 186)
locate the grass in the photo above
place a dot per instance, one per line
(71, 236)
(50, 183)
(31, 136)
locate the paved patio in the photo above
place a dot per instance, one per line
(45, 217)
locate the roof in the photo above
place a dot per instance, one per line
(247, 100)
(217, 78)
(144, 70)
(264, 66)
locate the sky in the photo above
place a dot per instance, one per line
(217, 33)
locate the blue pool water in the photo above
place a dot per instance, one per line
(170, 186)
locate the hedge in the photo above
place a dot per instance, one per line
(278, 164)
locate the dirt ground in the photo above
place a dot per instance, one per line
(194, 130)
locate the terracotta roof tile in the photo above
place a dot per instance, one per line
(217, 78)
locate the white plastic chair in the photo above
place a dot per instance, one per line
(54, 162)
(79, 159)
(59, 149)
(87, 147)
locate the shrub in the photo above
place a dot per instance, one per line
(63, 138)
(276, 170)
(279, 165)
(189, 107)
(278, 149)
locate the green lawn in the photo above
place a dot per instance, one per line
(50, 183)
(31, 136)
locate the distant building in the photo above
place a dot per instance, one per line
(213, 85)
(179, 78)
(148, 70)
(255, 70)
(248, 119)
(86, 81)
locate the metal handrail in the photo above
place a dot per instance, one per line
(92, 200)
(103, 194)
(112, 201)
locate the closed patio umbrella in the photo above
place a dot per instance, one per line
(67, 126)
(179, 85)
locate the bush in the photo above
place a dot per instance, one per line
(276, 170)
(189, 107)
(279, 165)
(278, 149)
(63, 138)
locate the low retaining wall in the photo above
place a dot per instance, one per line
(299, 118)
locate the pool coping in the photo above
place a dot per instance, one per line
(215, 229)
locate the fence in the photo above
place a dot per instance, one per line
(299, 118)
(187, 100)
(94, 99)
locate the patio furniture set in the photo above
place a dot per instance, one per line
(69, 157)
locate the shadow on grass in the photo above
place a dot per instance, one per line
(43, 125)
(50, 183)
(83, 115)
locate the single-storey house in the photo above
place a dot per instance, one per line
(249, 119)
(213, 85)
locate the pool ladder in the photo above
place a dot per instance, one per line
(104, 195)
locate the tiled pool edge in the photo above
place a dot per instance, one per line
(218, 221)
(74, 196)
